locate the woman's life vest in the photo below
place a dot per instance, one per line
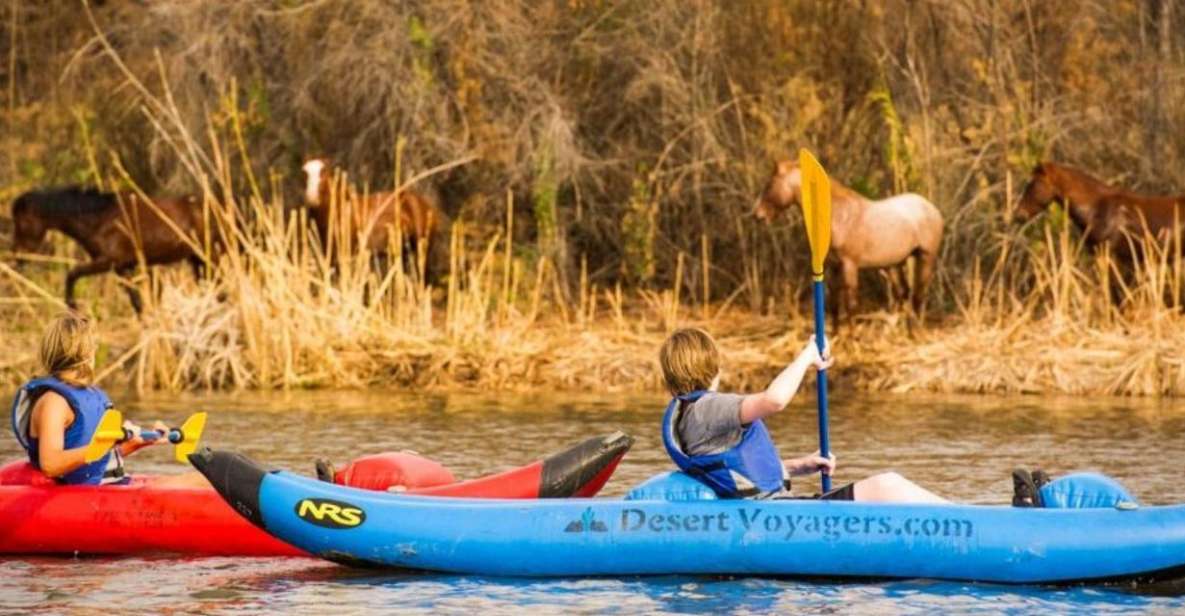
(750, 468)
(88, 404)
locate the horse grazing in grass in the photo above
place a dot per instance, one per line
(372, 218)
(864, 233)
(1106, 215)
(113, 229)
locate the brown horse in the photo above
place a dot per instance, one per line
(372, 218)
(1106, 215)
(864, 233)
(113, 229)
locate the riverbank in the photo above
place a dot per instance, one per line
(605, 341)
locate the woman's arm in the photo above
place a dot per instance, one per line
(51, 417)
(782, 389)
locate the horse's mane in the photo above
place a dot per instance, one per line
(1082, 176)
(63, 202)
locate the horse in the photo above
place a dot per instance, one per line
(864, 233)
(371, 218)
(1106, 215)
(113, 229)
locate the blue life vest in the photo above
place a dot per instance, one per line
(88, 404)
(752, 467)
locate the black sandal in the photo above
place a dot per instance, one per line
(1024, 490)
(1040, 478)
(325, 470)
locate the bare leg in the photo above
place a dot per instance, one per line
(191, 479)
(892, 488)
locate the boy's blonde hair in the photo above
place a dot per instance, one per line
(690, 361)
(68, 348)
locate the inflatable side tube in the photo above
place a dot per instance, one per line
(580, 470)
(609, 537)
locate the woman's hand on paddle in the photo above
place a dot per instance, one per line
(808, 465)
(137, 441)
(811, 353)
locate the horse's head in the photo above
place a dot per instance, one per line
(1041, 190)
(28, 228)
(316, 187)
(782, 191)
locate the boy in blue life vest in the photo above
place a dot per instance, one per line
(55, 416)
(720, 439)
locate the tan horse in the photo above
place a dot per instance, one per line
(864, 233)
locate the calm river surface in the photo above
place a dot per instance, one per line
(961, 447)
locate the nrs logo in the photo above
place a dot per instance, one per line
(329, 513)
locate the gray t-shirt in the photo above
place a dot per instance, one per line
(710, 425)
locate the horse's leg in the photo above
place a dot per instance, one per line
(198, 267)
(851, 282)
(898, 278)
(125, 272)
(925, 272)
(97, 266)
(834, 290)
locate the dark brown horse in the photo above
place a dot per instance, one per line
(1106, 215)
(115, 230)
(372, 218)
(864, 233)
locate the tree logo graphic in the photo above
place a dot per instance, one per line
(587, 523)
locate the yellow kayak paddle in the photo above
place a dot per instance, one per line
(111, 431)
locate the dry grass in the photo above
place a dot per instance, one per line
(278, 318)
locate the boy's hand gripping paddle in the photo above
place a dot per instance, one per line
(111, 431)
(816, 214)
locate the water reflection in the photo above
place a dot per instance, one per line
(962, 447)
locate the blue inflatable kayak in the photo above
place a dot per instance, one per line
(668, 527)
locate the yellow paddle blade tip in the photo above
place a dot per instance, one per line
(191, 432)
(109, 431)
(816, 207)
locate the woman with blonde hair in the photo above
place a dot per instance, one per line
(55, 416)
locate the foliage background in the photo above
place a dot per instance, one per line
(625, 129)
(629, 133)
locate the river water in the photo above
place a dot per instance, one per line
(961, 447)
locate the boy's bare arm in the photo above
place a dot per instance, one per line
(782, 389)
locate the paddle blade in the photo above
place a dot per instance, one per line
(109, 432)
(816, 208)
(191, 434)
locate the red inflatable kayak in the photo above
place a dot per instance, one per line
(40, 517)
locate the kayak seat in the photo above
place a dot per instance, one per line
(671, 486)
(393, 471)
(1085, 491)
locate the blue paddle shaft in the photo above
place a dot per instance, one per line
(821, 382)
(174, 435)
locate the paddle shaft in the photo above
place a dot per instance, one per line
(174, 435)
(821, 382)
